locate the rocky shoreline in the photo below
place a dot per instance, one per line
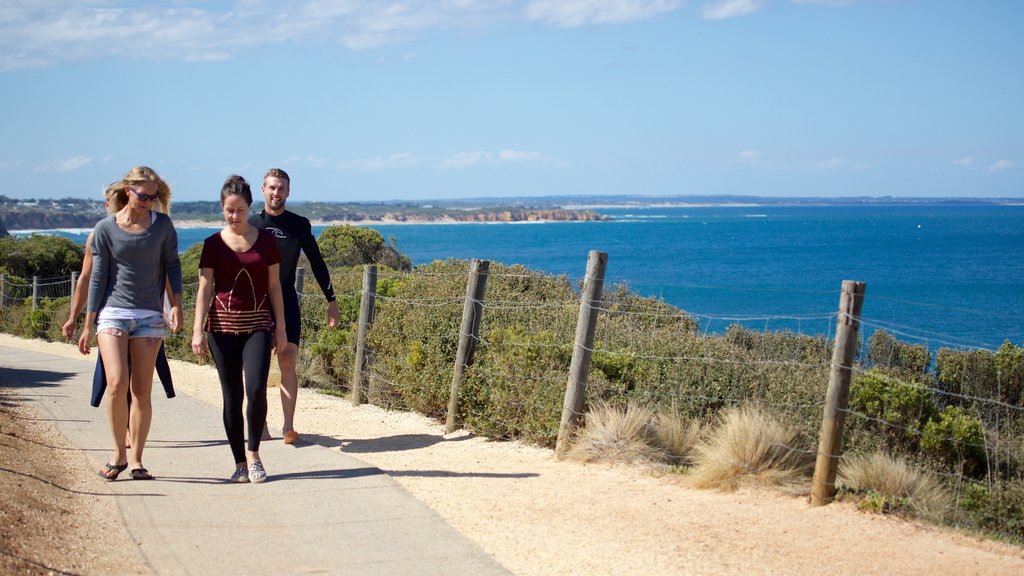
(54, 220)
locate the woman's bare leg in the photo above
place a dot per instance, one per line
(144, 352)
(113, 345)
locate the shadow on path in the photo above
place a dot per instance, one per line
(28, 378)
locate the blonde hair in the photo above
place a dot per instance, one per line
(116, 194)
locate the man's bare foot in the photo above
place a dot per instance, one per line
(290, 437)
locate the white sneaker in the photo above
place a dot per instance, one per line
(241, 475)
(256, 472)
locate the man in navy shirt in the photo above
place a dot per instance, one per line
(293, 233)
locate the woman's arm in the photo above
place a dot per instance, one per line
(81, 292)
(97, 284)
(277, 305)
(203, 294)
(172, 272)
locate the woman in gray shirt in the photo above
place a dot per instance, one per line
(134, 251)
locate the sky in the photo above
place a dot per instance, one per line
(418, 100)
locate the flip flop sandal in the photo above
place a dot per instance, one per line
(141, 474)
(110, 472)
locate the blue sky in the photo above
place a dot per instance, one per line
(418, 100)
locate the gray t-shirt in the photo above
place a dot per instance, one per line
(129, 269)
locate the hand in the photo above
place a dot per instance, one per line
(280, 339)
(177, 319)
(333, 317)
(68, 329)
(83, 340)
(198, 343)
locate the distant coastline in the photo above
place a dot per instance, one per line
(76, 214)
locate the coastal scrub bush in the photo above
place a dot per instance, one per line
(998, 509)
(516, 386)
(892, 356)
(414, 338)
(966, 376)
(894, 411)
(344, 245)
(957, 441)
(43, 255)
(1010, 366)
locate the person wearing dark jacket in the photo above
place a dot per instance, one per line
(294, 234)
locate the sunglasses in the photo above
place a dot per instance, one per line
(144, 197)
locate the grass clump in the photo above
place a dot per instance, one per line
(888, 484)
(622, 435)
(633, 434)
(749, 445)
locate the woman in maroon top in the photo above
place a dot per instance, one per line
(239, 271)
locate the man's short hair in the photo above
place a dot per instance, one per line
(278, 173)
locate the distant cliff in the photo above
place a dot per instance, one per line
(77, 213)
(415, 217)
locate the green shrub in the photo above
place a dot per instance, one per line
(344, 245)
(43, 255)
(516, 386)
(895, 410)
(335, 349)
(965, 375)
(957, 440)
(889, 355)
(999, 510)
(1009, 360)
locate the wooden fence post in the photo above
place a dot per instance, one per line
(35, 292)
(366, 303)
(469, 335)
(74, 281)
(300, 280)
(830, 440)
(3, 290)
(586, 323)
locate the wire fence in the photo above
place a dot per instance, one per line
(946, 407)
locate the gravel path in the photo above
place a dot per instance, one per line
(532, 513)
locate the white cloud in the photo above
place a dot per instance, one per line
(468, 159)
(721, 9)
(842, 164)
(1001, 166)
(826, 2)
(35, 34)
(379, 163)
(965, 161)
(516, 156)
(750, 156)
(64, 164)
(573, 13)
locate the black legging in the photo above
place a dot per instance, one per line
(233, 353)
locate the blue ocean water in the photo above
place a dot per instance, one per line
(942, 275)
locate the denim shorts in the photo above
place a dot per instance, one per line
(149, 327)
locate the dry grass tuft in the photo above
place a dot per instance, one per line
(749, 445)
(614, 434)
(890, 484)
(311, 371)
(677, 436)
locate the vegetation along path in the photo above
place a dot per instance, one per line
(516, 507)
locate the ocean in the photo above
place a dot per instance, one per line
(939, 275)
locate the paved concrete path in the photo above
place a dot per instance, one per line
(319, 512)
